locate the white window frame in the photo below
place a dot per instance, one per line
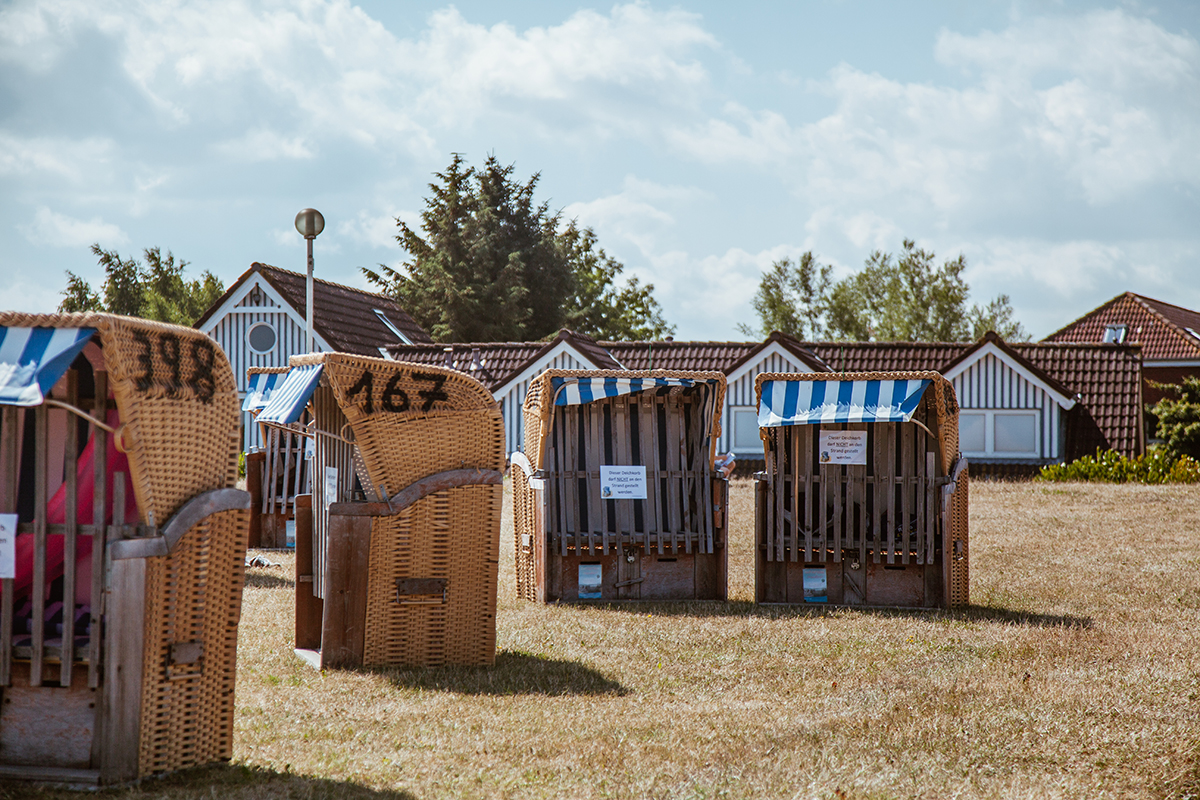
(1115, 334)
(251, 329)
(989, 432)
(754, 451)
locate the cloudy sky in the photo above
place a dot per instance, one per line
(1055, 144)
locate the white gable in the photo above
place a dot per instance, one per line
(511, 394)
(997, 385)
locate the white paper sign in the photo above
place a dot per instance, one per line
(623, 483)
(8, 545)
(843, 447)
(331, 486)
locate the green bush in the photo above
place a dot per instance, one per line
(1108, 466)
(1178, 417)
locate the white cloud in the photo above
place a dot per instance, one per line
(263, 144)
(52, 156)
(58, 230)
(345, 75)
(377, 230)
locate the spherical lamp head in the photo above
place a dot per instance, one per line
(310, 223)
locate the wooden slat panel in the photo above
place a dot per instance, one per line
(123, 652)
(662, 483)
(72, 530)
(908, 475)
(931, 508)
(343, 626)
(674, 468)
(805, 434)
(858, 477)
(778, 483)
(878, 440)
(649, 452)
(99, 515)
(571, 462)
(9, 467)
(822, 490)
(41, 443)
(691, 438)
(837, 475)
(890, 476)
(597, 507)
(798, 521)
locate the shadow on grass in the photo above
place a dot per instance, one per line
(514, 673)
(235, 781)
(260, 579)
(772, 611)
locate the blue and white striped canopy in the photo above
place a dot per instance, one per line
(577, 391)
(292, 395)
(262, 386)
(33, 359)
(815, 402)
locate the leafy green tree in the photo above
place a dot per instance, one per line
(489, 264)
(793, 298)
(599, 306)
(156, 291)
(997, 316)
(902, 297)
(1179, 417)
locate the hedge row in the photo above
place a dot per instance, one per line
(1107, 466)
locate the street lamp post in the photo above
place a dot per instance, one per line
(309, 223)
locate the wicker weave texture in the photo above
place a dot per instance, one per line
(426, 541)
(414, 420)
(411, 421)
(193, 595)
(523, 526)
(960, 543)
(177, 397)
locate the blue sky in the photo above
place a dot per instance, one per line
(1055, 144)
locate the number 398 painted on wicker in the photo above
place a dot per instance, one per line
(169, 352)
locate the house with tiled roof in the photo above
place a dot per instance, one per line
(506, 368)
(1168, 334)
(1022, 404)
(260, 322)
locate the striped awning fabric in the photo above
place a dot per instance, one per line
(262, 386)
(292, 395)
(33, 359)
(815, 402)
(577, 391)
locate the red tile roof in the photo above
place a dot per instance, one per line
(1105, 377)
(495, 363)
(342, 315)
(700, 356)
(1160, 328)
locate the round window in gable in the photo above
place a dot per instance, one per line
(261, 337)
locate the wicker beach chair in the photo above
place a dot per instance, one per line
(864, 499)
(400, 567)
(118, 458)
(579, 534)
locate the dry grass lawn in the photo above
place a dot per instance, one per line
(1075, 673)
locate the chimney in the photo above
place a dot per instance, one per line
(474, 359)
(449, 351)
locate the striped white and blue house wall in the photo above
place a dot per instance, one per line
(1007, 413)
(739, 418)
(256, 327)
